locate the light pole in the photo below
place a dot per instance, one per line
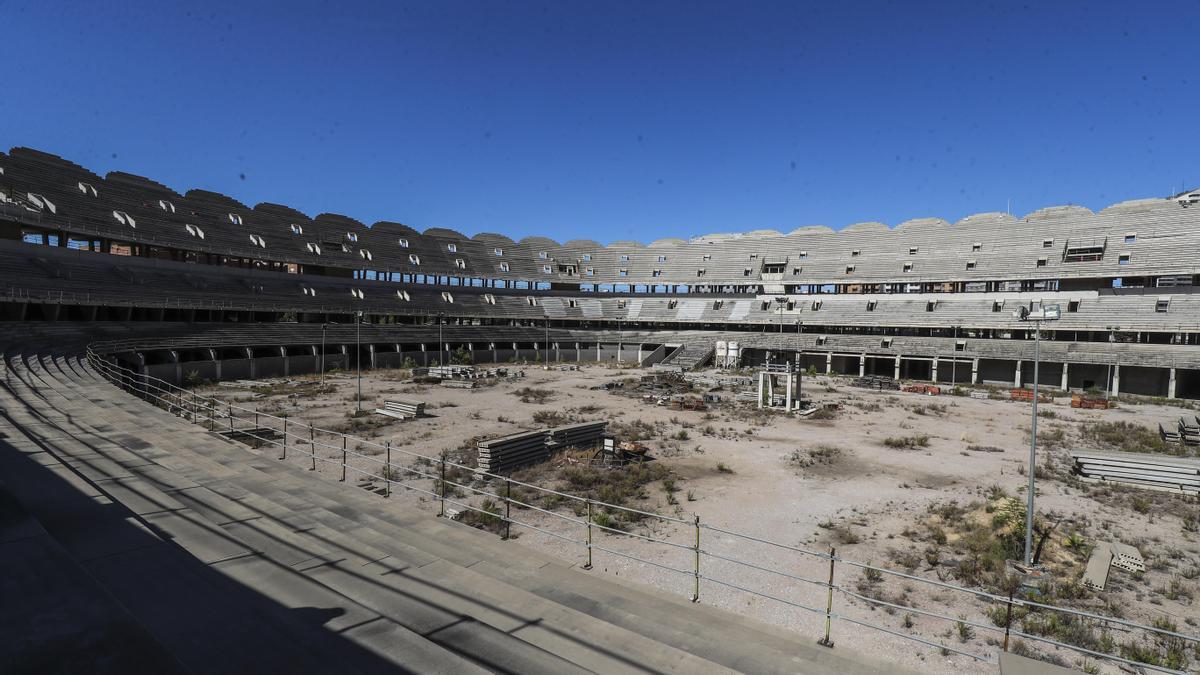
(1112, 356)
(781, 301)
(1045, 313)
(547, 342)
(358, 316)
(800, 362)
(441, 345)
(954, 363)
(324, 326)
(620, 339)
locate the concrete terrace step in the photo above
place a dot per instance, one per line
(258, 556)
(334, 574)
(426, 593)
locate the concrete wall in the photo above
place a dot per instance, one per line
(271, 366)
(997, 371)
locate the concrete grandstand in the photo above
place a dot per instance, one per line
(120, 280)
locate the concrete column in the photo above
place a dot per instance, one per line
(1116, 383)
(1017, 377)
(829, 363)
(897, 369)
(762, 376)
(597, 351)
(639, 352)
(250, 356)
(371, 357)
(1171, 384)
(933, 370)
(788, 398)
(286, 366)
(974, 371)
(862, 365)
(1064, 377)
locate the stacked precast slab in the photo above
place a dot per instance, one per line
(402, 409)
(501, 455)
(579, 435)
(1176, 474)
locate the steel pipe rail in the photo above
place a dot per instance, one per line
(201, 409)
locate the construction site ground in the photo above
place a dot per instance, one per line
(870, 481)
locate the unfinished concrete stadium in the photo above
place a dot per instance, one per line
(195, 480)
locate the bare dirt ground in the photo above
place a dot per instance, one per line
(930, 502)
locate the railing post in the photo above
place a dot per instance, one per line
(1008, 619)
(230, 416)
(283, 446)
(826, 641)
(387, 472)
(312, 447)
(442, 492)
(696, 573)
(212, 414)
(343, 458)
(507, 508)
(588, 566)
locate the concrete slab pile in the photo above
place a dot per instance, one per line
(500, 455)
(582, 435)
(1175, 474)
(402, 409)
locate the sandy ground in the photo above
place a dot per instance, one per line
(877, 494)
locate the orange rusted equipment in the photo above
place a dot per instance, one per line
(930, 389)
(1087, 402)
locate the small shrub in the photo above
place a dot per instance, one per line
(907, 442)
(722, 467)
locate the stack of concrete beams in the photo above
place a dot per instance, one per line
(582, 435)
(1189, 430)
(1176, 474)
(1168, 435)
(402, 409)
(501, 455)
(452, 372)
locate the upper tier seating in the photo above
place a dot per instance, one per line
(1139, 238)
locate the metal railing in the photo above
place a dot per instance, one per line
(454, 483)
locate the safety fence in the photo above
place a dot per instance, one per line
(697, 553)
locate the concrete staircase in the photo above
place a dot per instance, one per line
(152, 545)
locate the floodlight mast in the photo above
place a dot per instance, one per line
(1044, 313)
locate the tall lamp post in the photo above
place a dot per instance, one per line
(441, 344)
(1112, 356)
(1037, 316)
(620, 339)
(547, 342)
(358, 317)
(782, 302)
(954, 361)
(324, 327)
(800, 362)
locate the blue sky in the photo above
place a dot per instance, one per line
(617, 120)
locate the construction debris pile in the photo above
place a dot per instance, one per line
(877, 382)
(1175, 474)
(1109, 554)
